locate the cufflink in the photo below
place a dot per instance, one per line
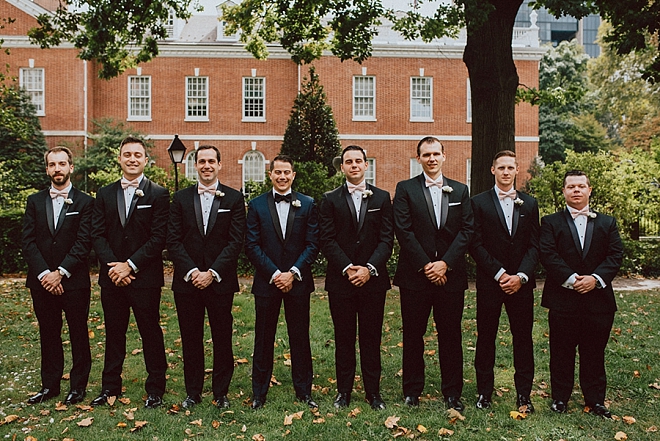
(62, 273)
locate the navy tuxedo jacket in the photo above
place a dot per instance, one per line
(562, 255)
(269, 251)
(68, 245)
(492, 247)
(345, 240)
(140, 236)
(218, 249)
(421, 240)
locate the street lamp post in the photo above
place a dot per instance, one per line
(177, 151)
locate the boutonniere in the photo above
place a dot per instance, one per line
(139, 193)
(296, 203)
(447, 189)
(518, 201)
(591, 215)
(219, 194)
(68, 201)
(367, 193)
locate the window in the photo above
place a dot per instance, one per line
(254, 99)
(415, 167)
(139, 98)
(421, 99)
(32, 81)
(370, 174)
(469, 102)
(197, 98)
(254, 167)
(364, 98)
(191, 171)
(169, 23)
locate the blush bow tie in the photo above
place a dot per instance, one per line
(282, 197)
(583, 212)
(125, 183)
(57, 193)
(506, 194)
(201, 189)
(431, 183)
(362, 186)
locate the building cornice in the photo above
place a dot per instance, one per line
(28, 7)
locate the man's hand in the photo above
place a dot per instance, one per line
(119, 271)
(358, 275)
(125, 281)
(510, 284)
(284, 281)
(436, 272)
(584, 284)
(52, 283)
(201, 280)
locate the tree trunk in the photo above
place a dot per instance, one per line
(493, 82)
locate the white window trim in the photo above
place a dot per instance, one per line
(417, 118)
(415, 167)
(252, 118)
(361, 117)
(128, 92)
(468, 103)
(193, 174)
(372, 169)
(196, 118)
(242, 162)
(42, 111)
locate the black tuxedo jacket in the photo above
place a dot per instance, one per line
(268, 251)
(492, 247)
(344, 240)
(140, 236)
(421, 240)
(68, 245)
(562, 255)
(218, 249)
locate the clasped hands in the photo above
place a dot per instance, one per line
(436, 272)
(584, 284)
(52, 282)
(510, 284)
(284, 281)
(358, 275)
(120, 273)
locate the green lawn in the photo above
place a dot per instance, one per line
(633, 355)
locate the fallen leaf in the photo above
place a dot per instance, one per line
(517, 415)
(10, 419)
(44, 412)
(139, 425)
(244, 428)
(136, 351)
(258, 437)
(636, 374)
(620, 436)
(454, 415)
(86, 422)
(355, 412)
(70, 418)
(215, 424)
(445, 432)
(287, 356)
(655, 385)
(123, 400)
(197, 422)
(242, 361)
(286, 432)
(319, 420)
(421, 429)
(400, 431)
(91, 334)
(121, 424)
(60, 407)
(652, 429)
(129, 416)
(111, 400)
(30, 438)
(84, 407)
(629, 420)
(392, 421)
(273, 381)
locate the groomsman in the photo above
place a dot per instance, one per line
(56, 243)
(505, 247)
(357, 237)
(129, 228)
(581, 251)
(282, 243)
(433, 223)
(204, 239)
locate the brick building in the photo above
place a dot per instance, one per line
(205, 87)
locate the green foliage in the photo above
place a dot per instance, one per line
(312, 179)
(11, 225)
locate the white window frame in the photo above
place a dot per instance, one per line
(261, 118)
(415, 167)
(131, 97)
(370, 173)
(366, 97)
(170, 24)
(190, 99)
(36, 90)
(469, 102)
(246, 164)
(416, 99)
(191, 170)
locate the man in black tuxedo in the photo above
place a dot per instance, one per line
(581, 251)
(129, 229)
(433, 223)
(56, 243)
(204, 238)
(282, 243)
(505, 246)
(357, 236)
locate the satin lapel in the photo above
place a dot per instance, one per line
(50, 215)
(498, 209)
(574, 233)
(213, 215)
(291, 217)
(199, 217)
(516, 217)
(351, 206)
(121, 205)
(588, 235)
(364, 206)
(143, 185)
(444, 204)
(270, 200)
(65, 208)
(429, 201)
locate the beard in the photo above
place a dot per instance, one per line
(60, 178)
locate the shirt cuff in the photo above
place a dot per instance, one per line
(42, 274)
(66, 273)
(372, 270)
(570, 281)
(132, 265)
(275, 274)
(523, 277)
(216, 276)
(600, 283)
(343, 272)
(296, 273)
(499, 274)
(188, 275)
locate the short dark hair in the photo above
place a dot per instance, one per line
(575, 173)
(429, 140)
(501, 153)
(130, 139)
(206, 147)
(282, 158)
(353, 148)
(57, 150)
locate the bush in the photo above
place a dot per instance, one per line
(11, 257)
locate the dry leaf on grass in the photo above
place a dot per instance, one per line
(86, 422)
(288, 419)
(111, 400)
(517, 415)
(242, 361)
(454, 415)
(139, 425)
(258, 437)
(319, 420)
(197, 422)
(121, 424)
(421, 429)
(10, 419)
(123, 400)
(652, 429)
(655, 385)
(60, 407)
(402, 431)
(445, 432)
(392, 421)
(629, 420)
(215, 424)
(244, 428)
(44, 412)
(30, 438)
(136, 351)
(620, 436)
(84, 407)
(129, 416)
(355, 412)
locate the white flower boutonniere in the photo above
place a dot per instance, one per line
(139, 193)
(367, 193)
(592, 215)
(447, 189)
(219, 194)
(518, 201)
(296, 203)
(68, 201)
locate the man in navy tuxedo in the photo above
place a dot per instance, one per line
(129, 229)
(433, 222)
(56, 243)
(282, 243)
(204, 238)
(581, 251)
(357, 236)
(505, 246)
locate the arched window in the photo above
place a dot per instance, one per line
(254, 167)
(191, 171)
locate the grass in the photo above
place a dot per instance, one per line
(632, 357)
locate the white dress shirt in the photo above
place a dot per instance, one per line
(581, 227)
(283, 208)
(436, 197)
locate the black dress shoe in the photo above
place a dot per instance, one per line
(558, 406)
(222, 402)
(376, 402)
(411, 401)
(454, 403)
(600, 410)
(524, 404)
(484, 402)
(342, 400)
(153, 401)
(307, 399)
(75, 396)
(258, 402)
(190, 401)
(43, 395)
(102, 399)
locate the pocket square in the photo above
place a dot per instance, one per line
(451, 204)
(373, 209)
(223, 210)
(140, 207)
(72, 213)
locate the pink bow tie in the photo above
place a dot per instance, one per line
(57, 193)
(125, 183)
(201, 189)
(431, 183)
(362, 186)
(583, 212)
(506, 194)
